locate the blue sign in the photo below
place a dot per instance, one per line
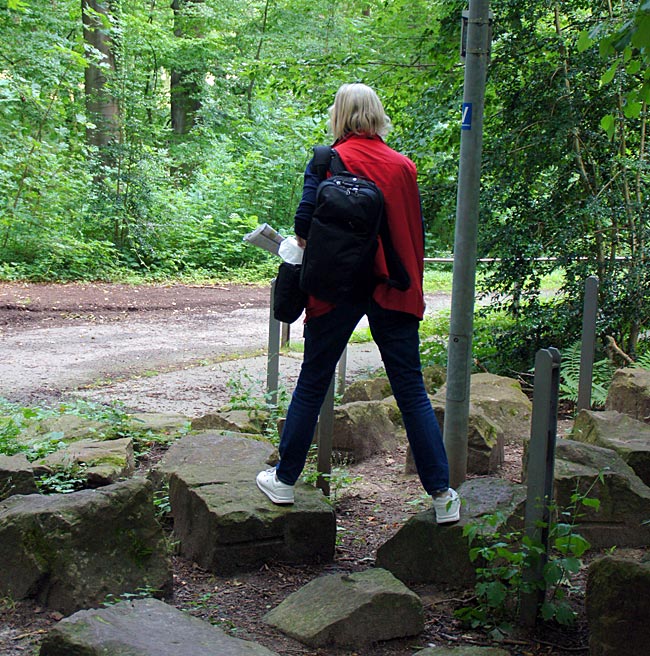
(466, 123)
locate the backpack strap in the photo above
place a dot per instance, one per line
(336, 165)
(322, 158)
(327, 159)
(398, 276)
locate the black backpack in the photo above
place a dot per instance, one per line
(342, 242)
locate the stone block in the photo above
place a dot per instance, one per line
(238, 421)
(104, 461)
(629, 437)
(629, 393)
(602, 474)
(167, 424)
(363, 429)
(463, 650)
(221, 519)
(16, 476)
(350, 610)
(485, 442)
(69, 551)
(618, 607)
(371, 389)
(146, 627)
(425, 552)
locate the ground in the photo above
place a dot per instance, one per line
(170, 348)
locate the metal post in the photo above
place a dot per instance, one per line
(464, 274)
(273, 354)
(588, 343)
(325, 433)
(285, 338)
(541, 464)
(343, 363)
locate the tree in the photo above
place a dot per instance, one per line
(186, 82)
(101, 101)
(557, 184)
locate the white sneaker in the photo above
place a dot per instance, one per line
(447, 506)
(274, 489)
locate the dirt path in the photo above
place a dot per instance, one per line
(56, 339)
(153, 348)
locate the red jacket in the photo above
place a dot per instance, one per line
(396, 176)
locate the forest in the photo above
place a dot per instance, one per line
(142, 140)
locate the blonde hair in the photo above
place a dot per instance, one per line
(358, 110)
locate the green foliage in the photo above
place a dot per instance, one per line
(603, 371)
(499, 343)
(140, 593)
(15, 419)
(339, 478)
(161, 203)
(559, 185)
(623, 40)
(162, 503)
(565, 162)
(63, 481)
(643, 361)
(245, 395)
(504, 555)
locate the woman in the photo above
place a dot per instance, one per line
(359, 125)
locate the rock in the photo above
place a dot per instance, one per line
(504, 404)
(618, 607)
(349, 610)
(16, 476)
(434, 377)
(371, 389)
(167, 424)
(142, 627)
(394, 414)
(499, 413)
(105, 461)
(224, 523)
(238, 421)
(624, 499)
(66, 427)
(629, 393)
(485, 444)
(424, 552)
(68, 551)
(629, 437)
(363, 429)
(462, 650)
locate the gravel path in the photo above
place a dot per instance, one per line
(153, 348)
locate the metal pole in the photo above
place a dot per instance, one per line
(273, 354)
(343, 363)
(285, 337)
(464, 275)
(540, 475)
(588, 343)
(325, 432)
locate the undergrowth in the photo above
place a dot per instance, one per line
(507, 559)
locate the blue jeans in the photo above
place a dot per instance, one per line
(396, 335)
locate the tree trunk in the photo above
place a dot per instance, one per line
(102, 106)
(185, 87)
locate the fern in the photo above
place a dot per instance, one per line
(570, 377)
(643, 361)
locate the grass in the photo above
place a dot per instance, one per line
(437, 276)
(361, 336)
(438, 279)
